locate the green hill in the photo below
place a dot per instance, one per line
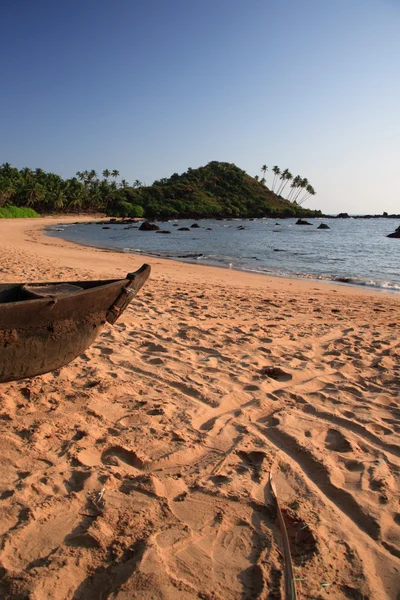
(216, 190)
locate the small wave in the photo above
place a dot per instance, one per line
(196, 255)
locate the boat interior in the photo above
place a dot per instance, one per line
(33, 291)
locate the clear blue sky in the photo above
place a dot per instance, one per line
(152, 87)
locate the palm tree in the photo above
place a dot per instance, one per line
(302, 185)
(40, 174)
(283, 180)
(83, 176)
(33, 192)
(295, 184)
(7, 191)
(106, 173)
(124, 184)
(256, 177)
(115, 173)
(288, 177)
(27, 174)
(6, 168)
(276, 171)
(264, 169)
(75, 193)
(92, 175)
(137, 183)
(309, 192)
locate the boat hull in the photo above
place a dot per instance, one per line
(44, 334)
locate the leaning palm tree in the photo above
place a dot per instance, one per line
(303, 185)
(288, 177)
(282, 178)
(309, 192)
(293, 188)
(276, 171)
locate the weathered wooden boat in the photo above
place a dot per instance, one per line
(43, 326)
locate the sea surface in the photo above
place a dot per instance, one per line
(352, 251)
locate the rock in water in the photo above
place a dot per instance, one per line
(395, 234)
(301, 222)
(146, 226)
(323, 226)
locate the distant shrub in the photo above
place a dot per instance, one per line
(136, 211)
(16, 212)
(125, 209)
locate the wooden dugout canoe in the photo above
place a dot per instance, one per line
(43, 326)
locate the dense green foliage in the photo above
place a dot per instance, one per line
(215, 190)
(15, 212)
(49, 193)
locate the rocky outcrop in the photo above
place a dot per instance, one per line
(301, 222)
(183, 229)
(323, 226)
(146, 226)
(395, 234)
(195, 225)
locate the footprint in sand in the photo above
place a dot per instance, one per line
(151, 347)
(117, 454)
(251, 388)
(337, 442)
(380, 429)
(135, 418)
(301, 537)
(275, 373)
(354, 465)
(6, 494)
(156, 361)
(254, 459)
(77, 480)
(106, 351)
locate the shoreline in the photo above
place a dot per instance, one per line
(295, 277)
(311, 280)
(143, 465)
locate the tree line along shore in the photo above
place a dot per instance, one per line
(217, 189)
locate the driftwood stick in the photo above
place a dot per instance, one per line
(290, 581)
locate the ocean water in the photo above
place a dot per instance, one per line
(352, 251)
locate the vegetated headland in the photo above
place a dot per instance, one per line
(216, 190)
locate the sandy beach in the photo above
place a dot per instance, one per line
(141, 470)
